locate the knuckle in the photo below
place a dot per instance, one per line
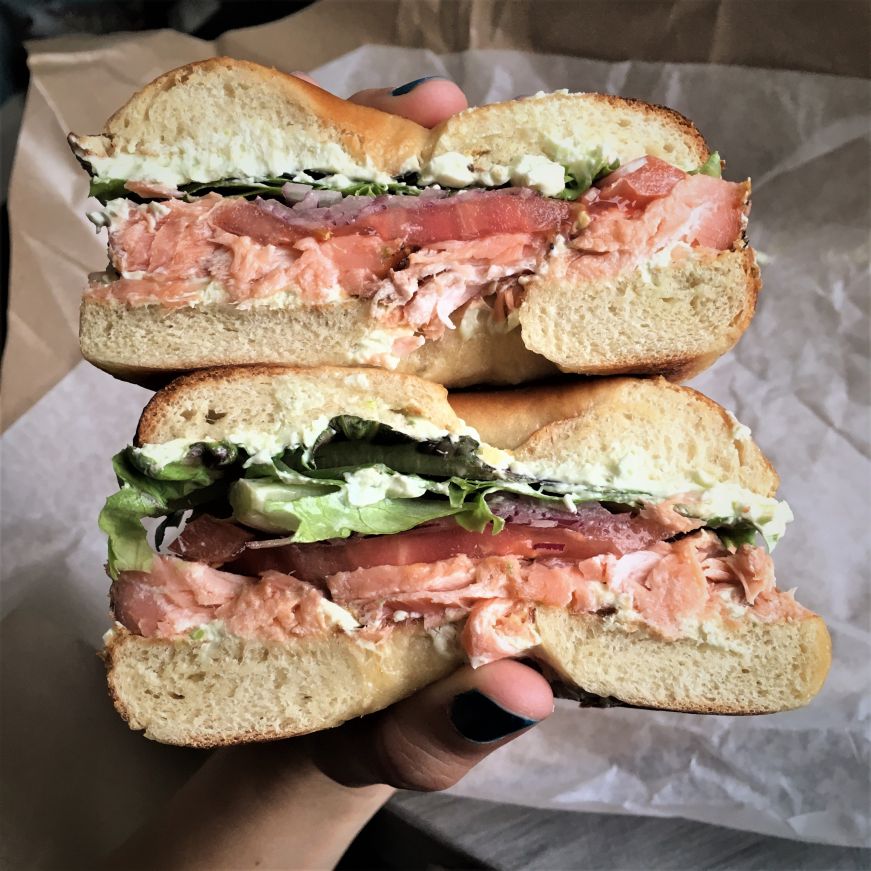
(406, 763)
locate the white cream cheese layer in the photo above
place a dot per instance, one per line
(369, 485)
(232, 156)
(545, 173)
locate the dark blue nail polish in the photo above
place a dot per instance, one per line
(410, 86)
(478, 718)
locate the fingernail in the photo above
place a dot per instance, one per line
(410, 86)
(478, 718)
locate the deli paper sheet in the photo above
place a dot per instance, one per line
(799, 378)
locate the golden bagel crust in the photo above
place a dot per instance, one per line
(149, 344)
(767, 667)
(215, 694)
(590, 418)
(194, 101)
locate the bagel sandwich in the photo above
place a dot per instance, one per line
(254, 218)
(292, 548)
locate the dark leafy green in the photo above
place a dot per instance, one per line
(734, 536)
(309, 492)
(351, 442)
(105, 189)
(112, 188)
(197, 467)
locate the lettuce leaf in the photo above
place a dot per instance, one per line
(476, 516)
(712, 166)
(315, 510)
(105, 189)
(317, 516)
(349, 443)
(580, 174)
(121, 520)
(181, 486)
(359, 476)
(734, 536)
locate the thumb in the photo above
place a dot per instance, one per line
(431, 740)
(428, 101)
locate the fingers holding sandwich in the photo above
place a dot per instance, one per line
(427, 101)
(431, 740)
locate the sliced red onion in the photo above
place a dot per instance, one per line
(622, 171)
(309, 201)
(434, 194)
(329, 198)
(294, 191)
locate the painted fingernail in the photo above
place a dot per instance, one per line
(410, 86)
(478, 718)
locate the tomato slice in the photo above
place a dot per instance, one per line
(410, 221)
(598, 533)
(641, 182)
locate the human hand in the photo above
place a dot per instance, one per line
(430, 740)
(299, 803)
(428, 100)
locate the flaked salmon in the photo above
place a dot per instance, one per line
(665, 587)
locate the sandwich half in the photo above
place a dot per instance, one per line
(324, 542)
(254, 218)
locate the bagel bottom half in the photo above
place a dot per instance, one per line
(673, 320)
(230, 691)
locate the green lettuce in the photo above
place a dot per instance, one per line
(733, 536)
(359, 476)
(121, 520)
(317, 511)
(580, 174)
(712, 166)
(441, 459)
(323, 515)
(105, 189)
(147, 491)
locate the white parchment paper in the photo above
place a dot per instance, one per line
(799, 378)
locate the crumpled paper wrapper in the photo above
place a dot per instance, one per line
(798, 378)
